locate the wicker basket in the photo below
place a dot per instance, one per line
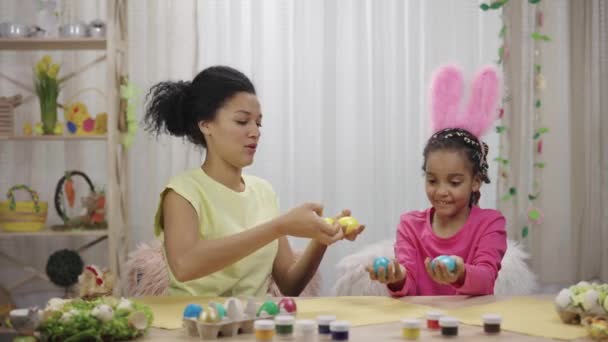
(22, 216)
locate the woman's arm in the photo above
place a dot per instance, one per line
(291, 275)
(185, 249)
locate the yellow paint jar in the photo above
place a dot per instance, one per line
(264, 330)
(410, 328)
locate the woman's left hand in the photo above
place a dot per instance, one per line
(352, 236)
(440, 273)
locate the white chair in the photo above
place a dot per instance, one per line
(514, 277)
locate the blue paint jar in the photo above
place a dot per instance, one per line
(339, 330)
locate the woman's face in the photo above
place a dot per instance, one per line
(234, 133)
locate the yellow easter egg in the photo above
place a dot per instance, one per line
(348, 223)
(38, 129)
(58, 130)
(27, 129)
(329, 220)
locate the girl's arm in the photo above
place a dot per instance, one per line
(191, 257)
(406, 254)
(481, 273)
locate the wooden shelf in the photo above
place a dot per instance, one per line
(48, 232)
(55, 137)
(53, 44)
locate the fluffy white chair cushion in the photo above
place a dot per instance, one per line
(514, 278)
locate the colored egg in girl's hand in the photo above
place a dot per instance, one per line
(447, 260)
(381, 262)
(348, 223)
(288, 306)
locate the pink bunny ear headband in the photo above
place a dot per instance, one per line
(450, 121)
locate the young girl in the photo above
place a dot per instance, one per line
(454, 166)
(222, 232)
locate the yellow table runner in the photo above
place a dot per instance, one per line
(525, 315)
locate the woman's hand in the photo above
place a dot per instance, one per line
(306, 221)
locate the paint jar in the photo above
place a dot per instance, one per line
(432, 319)
(323, 324)
(264, 330)
(305, 330)
(339, 330)
(410, 328)
(284, 327)
(449, 326)
(491, 323)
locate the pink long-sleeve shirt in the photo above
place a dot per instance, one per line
(481, 243)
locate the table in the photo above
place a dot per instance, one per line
(392, 331)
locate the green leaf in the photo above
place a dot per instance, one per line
(534, 214)
(536, 136)
(538, 104)
(540, 36)
(539, 165)
(500, 129)
(524, 232)
(537, 67)
(533, 2)
(503, 31)
(543, 130)
(513, 191)
(531, 197)
(484, 7)
(496, 5)
(505, 197)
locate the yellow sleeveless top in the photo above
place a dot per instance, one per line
(222, 212)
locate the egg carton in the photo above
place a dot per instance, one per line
(225, 328)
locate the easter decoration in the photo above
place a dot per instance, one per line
(22, 216)
(92, 317)
(80, 122)
(92, 212)
(232, 318)
(587, 304)
(63, 268)
(127, 120)
(46, 83)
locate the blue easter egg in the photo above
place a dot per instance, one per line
(381, 262)
(447, 260)
(72, 127)
(193, 311)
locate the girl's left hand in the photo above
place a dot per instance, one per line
(352, 236)
(440, 273)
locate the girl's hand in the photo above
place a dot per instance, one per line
(305, 221)
(440, 273)
(352, 236)
(395, 274)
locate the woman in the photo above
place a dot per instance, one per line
(222, 232)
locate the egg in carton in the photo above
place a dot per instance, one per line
(226, 320)
(582, 300)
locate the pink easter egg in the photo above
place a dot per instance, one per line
(88, 125)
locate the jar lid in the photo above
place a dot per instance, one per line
(492, 319)
(448, 322)
(306, 325)
(284, 320)
(410, 323)
(434, 315)
(339, 326)
(325, 320)
(264, 324)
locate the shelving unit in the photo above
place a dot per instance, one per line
(116, 62)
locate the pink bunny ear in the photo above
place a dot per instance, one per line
(445, 96)
(482, 107)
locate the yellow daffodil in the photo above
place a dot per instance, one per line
(53, 71)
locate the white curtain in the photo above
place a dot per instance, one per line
(343, 89)
(571, 243)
